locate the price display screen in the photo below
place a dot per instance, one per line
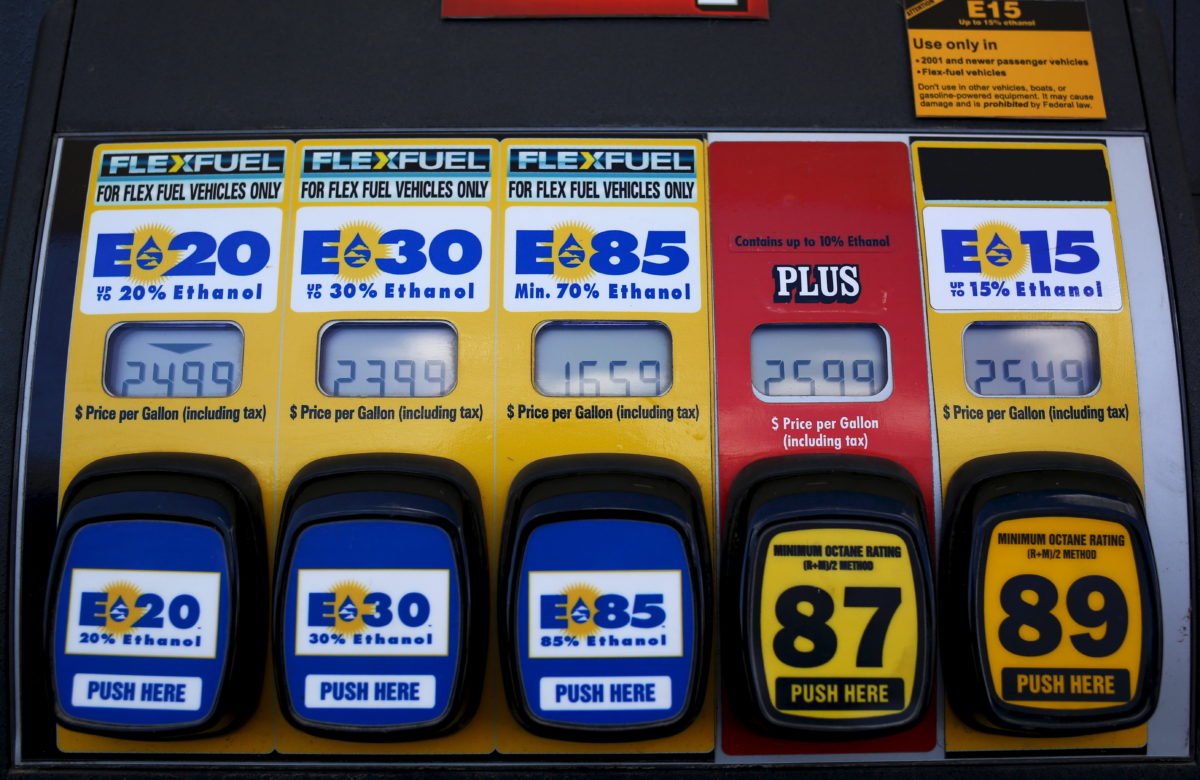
(789, 362)
(416, 359)
(602, 359)
(1031, 358)
(173, 360)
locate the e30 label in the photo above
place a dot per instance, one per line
(373, 612)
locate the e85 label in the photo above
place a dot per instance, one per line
(839, 622)
(1062, 613)
(605, 614)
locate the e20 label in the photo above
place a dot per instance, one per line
(124, 612)
(181, 261)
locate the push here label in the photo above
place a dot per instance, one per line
(136, 692)
(370, 691)
(605, 693)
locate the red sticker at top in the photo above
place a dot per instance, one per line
(488, 9)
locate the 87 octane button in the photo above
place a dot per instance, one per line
(828, 614)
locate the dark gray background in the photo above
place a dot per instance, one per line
(19, 21)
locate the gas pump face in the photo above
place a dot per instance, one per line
(498, 412)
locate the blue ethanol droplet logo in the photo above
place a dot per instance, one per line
(580, 612)
(119, 611)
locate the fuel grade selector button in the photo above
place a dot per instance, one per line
(381, 598)
(604, 597)
(1051, 605)
(157, 605)
(827, 603)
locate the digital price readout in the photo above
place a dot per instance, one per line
(1031, 358)
(828, 606)
(588, 358)
(368, 359)
(1050, 583)
(790, 362)
(173, 360)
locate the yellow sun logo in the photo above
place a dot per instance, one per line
(358, 249)
(1001, 254)
(581, 609)
(121, 610)
(570, 250)
(150, 255)
(349, 606)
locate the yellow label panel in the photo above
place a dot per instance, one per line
(839, 623)
(629, 245)
(1003, 58)
(1062, 613)
(176, 235)
(389, 329)
(1002, 259)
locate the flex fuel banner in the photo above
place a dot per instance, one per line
(175, 335)
(389, 336)
(820, 348)
(1030, 350)
(603, 347)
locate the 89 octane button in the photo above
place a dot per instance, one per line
(1051, 567)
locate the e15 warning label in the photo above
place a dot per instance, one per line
(1003, 58)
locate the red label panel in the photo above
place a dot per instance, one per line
(822, 233)
(482, 9)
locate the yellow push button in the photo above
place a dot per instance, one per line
(1050, 596)
(828, 606)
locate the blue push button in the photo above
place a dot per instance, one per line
(381, 598)
(604, 598)
(157, 608)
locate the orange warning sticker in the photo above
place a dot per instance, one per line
(1030, 59)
